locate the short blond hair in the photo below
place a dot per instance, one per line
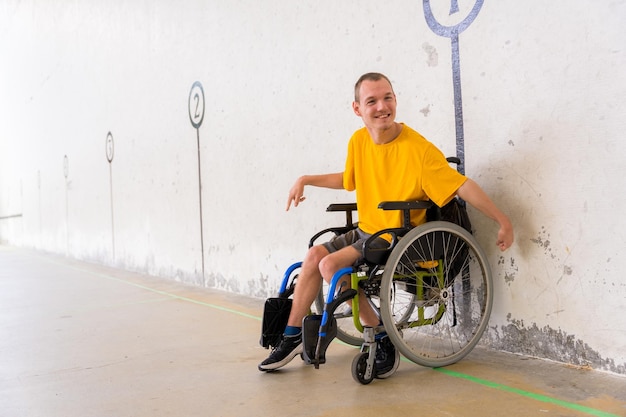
(370, 76)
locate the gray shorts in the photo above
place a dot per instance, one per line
(355, 238)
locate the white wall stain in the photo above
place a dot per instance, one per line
(432, 56)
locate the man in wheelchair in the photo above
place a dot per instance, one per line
(386, 161)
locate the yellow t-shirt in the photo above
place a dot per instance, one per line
(407, 169)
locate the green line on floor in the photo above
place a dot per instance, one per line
(538, 397)
(484, 382)
(165, 293)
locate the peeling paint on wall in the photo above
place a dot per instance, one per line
(510, 269)
(543, 241)
(259, 287)
(220, 282)
(548, 343)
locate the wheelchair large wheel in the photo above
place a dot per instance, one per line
(436, 294)
(346, 331)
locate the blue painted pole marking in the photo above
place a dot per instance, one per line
(453, 32)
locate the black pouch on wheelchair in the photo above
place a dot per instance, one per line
(453, 212)
(456, 212)
(275, 316)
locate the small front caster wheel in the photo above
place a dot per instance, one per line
(359, 369)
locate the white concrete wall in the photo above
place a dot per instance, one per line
(544, 94)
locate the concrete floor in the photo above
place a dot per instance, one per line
(78, 339)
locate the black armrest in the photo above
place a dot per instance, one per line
(378, 255)
(335, 230)
(342, 207)
(404, 205)
(348, 208)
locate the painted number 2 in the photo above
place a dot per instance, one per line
(196, 104)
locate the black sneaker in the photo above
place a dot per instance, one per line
(387, 358)
(288, 348)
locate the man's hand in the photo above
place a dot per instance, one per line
(296, 194)
(505, 237)
(473, 194)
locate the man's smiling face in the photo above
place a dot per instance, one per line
(376, 105)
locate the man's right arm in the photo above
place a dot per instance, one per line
(296, 194)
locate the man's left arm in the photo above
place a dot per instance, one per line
(471, 192)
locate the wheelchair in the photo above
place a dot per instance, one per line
(432, 288)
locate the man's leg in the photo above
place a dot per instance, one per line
(344, 258)
(387, 359)
(317, 263)
(307, 287)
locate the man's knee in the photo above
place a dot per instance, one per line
(328, 267)
(337, 260)
(315, 255)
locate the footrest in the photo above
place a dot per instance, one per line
(275, 315)
(316, 336)
(310, 334)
